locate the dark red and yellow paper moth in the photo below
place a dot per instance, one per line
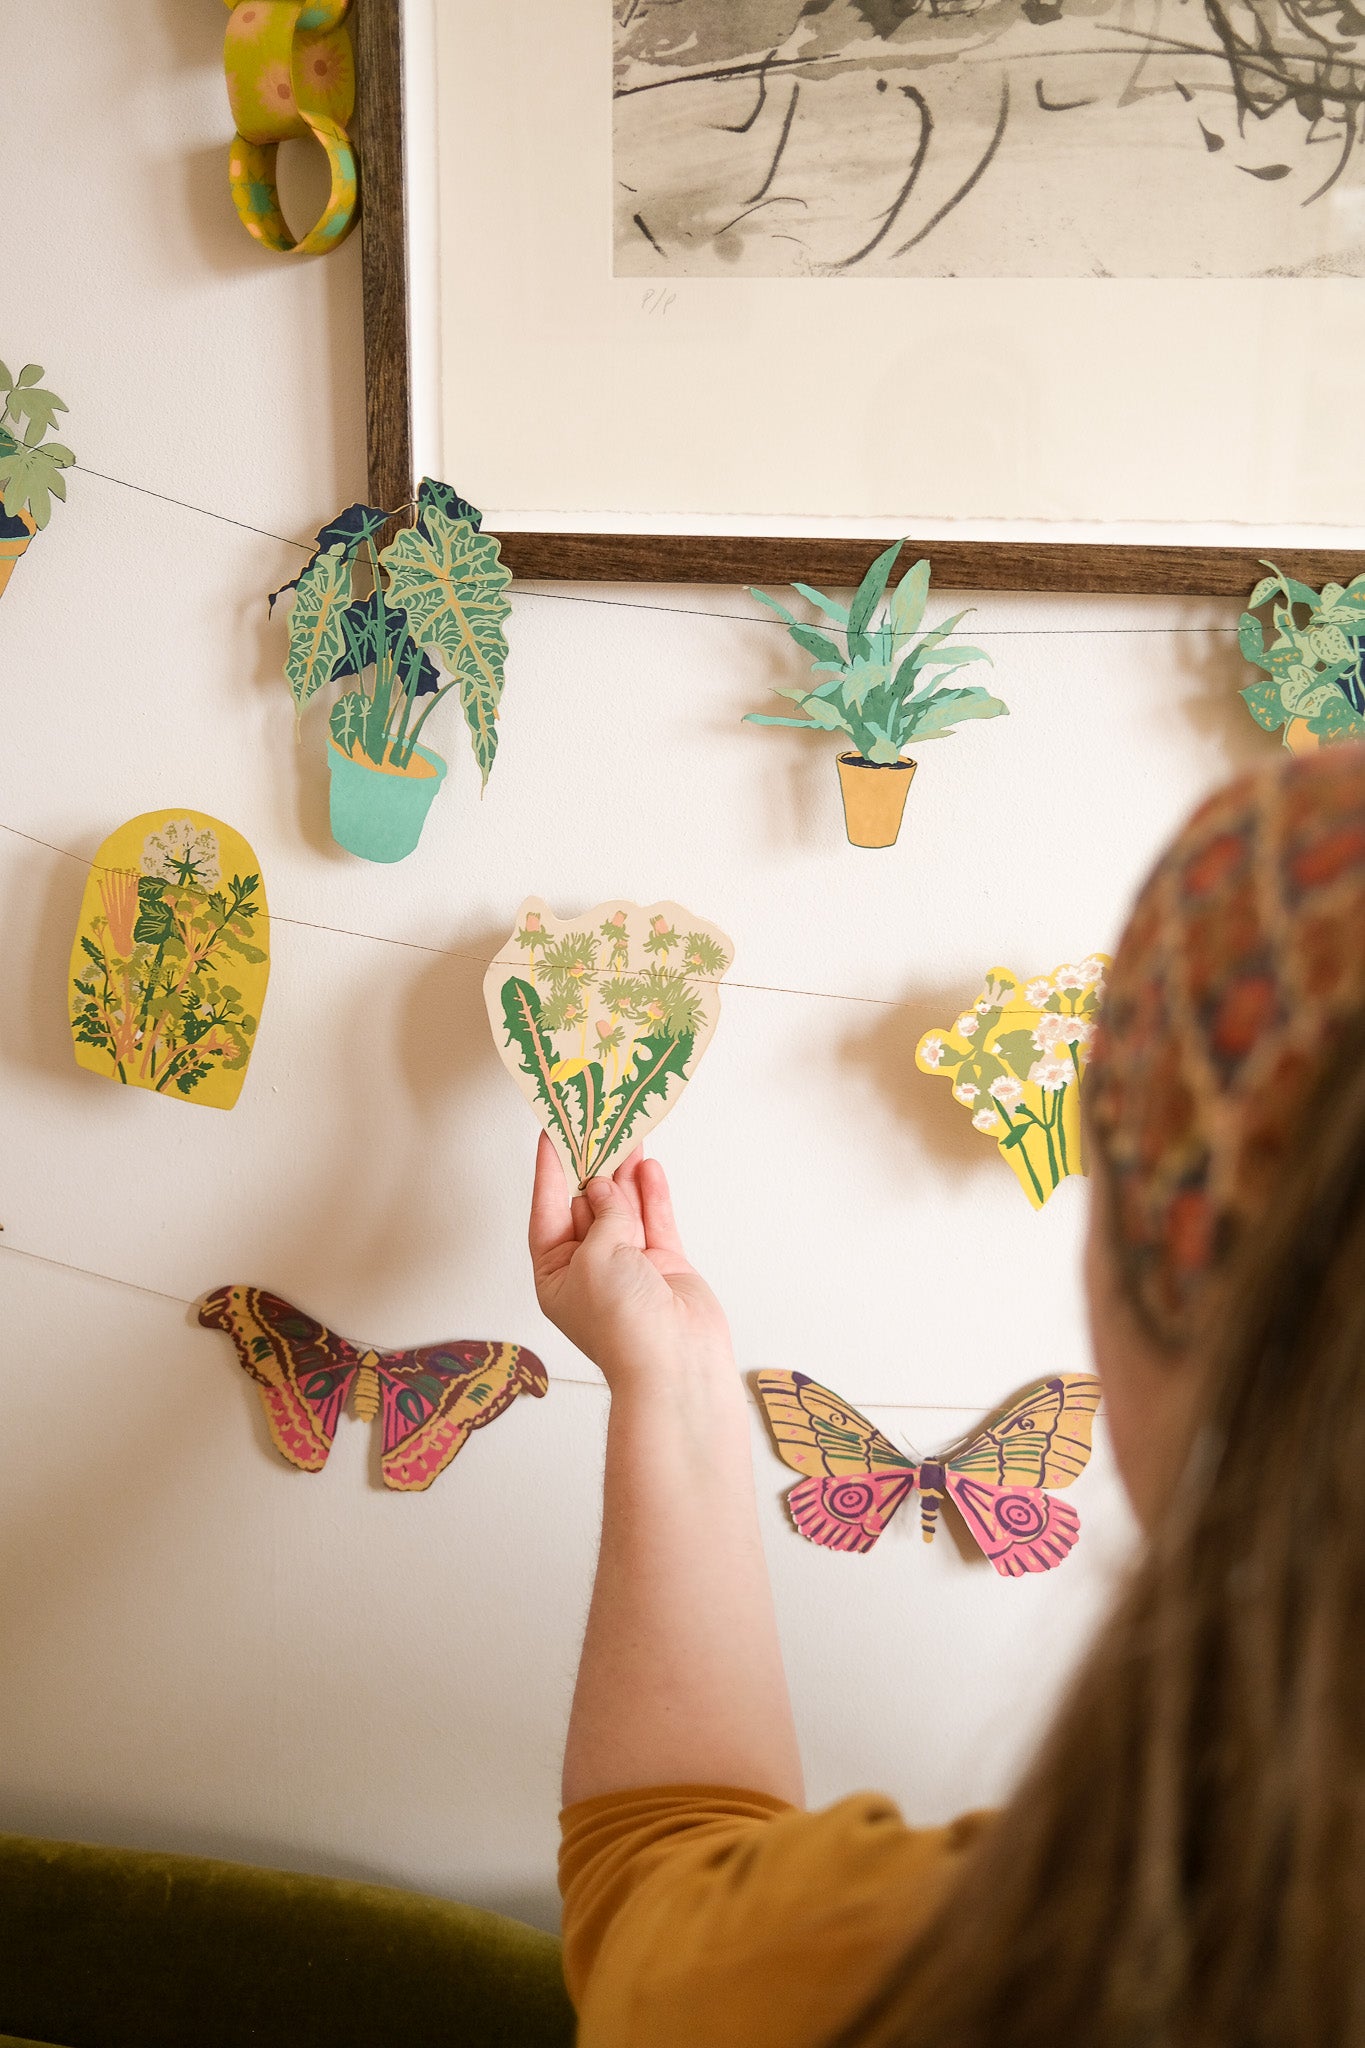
(428, 1400)
(995, 1476)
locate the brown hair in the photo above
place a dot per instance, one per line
(1185, 1865)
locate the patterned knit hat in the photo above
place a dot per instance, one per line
(1244, 955)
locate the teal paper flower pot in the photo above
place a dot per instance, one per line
(377, 812)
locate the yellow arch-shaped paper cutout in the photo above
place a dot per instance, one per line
(171, 958)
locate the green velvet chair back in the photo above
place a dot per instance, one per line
(113, 1948)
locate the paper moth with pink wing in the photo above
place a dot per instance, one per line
(428, 1400)
(855, 1479)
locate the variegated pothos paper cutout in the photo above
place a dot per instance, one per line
(601, 1019)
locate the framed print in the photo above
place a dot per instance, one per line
(1072, 292)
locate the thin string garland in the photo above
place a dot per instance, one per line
(670, 611)
(446, 952)
(559, 1379)
(767, 988)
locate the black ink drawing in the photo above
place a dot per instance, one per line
(989, 138)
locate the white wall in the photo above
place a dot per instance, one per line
(201, 1648)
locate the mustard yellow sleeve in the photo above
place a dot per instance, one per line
(705, 1917)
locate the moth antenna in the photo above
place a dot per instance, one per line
(365, 1406)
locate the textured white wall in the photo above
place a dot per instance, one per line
(202, 1649)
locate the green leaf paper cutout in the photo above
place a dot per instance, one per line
(316, 638)
(450, 581)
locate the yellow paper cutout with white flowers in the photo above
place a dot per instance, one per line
(1016, 1060)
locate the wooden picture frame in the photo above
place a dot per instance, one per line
(1029, 565)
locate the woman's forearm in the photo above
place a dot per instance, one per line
(681, 1677)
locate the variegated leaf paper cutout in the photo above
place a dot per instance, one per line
(601, 1020)
(1017, 1059)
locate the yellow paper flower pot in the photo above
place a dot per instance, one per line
(1300, 737)
(12, 545)
(874, 798)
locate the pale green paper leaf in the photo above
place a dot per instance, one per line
(774, 606)
(826, 715)
(348, 720)
(869, 593)
(912, 594)
(827, 605)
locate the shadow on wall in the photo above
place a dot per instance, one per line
(1215, 665)
(182, 57)
(885, 1051)
(445, 1044)
(35, 1025)
(375, 1229)
(372, 1216)
(800, 790)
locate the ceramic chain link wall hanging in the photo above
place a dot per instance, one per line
(290, 72)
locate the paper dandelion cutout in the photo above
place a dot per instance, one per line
(601, 1020)
(1016, 1061)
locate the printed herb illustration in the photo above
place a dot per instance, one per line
(171, 958)
(1016, 1060)
(1316, 688)
(601, 1020)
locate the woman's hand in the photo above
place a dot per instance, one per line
(611, 1273)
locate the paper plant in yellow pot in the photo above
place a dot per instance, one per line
(1314, 692)
(1017, 1060)
(429, 623)
(30, 465)
(881, 687)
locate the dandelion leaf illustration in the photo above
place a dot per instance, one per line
(1016, 1061)
(171, 958)
(450, 580)
(655, 1064)
(601, 1020)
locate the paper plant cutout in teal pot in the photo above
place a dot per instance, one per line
(30, 465)
(1316, 689)
(880, 687)
(428, 621)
